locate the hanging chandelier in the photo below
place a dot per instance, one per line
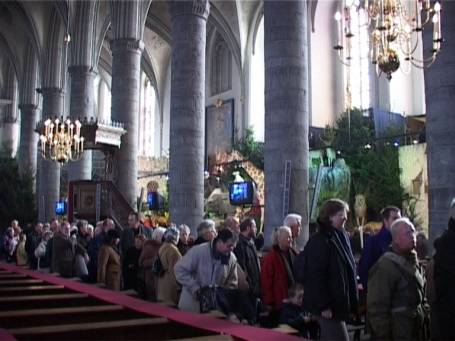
(61, 140)
(394, 32)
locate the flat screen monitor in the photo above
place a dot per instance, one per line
(241, 193)
(60, 207)
(153, 201)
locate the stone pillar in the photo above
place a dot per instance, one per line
(286, 112)
(126, 69)
(82, 105)
(440, 126)
(28, 105)
(29, 138)
(9, 121)
(49, 184)
(186, 164)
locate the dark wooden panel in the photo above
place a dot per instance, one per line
(47, 301)
(33, 290)
(113, 330)
(51, 317)
(19, 282)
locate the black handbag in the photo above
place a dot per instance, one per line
(157, 268)
(207, 299)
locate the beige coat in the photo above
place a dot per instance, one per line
(168, 289)
(109, 267)
(21, 254)
(199, 268)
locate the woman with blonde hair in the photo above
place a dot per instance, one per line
(168, 290)
(146, 278)
(109, 264)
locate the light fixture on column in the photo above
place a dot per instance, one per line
(61, 140)
(395, 28)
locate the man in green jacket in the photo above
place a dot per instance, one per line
(397, 307)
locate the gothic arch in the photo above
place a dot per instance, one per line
(220, 66)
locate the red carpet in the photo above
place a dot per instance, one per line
(204, 322)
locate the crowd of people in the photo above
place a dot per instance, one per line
(317, 290)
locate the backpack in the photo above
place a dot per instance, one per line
(299, 267)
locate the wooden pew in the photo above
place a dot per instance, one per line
(57, 316)
(88, 313)
(12, 276)
(46, 301)
(112, 330)
(19, 282)
(33, 290)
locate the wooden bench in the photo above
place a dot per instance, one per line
(19, 282)
(32, 290)
(102, 330)
(47, 301)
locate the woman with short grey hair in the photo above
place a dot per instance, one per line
(171, 235)
(168, 290)
(184, 243)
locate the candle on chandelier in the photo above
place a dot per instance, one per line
(78, 128)
(437, 9)
(426, 5)
(56, 126)
(43, 144)
(436, 28)
(339, 31)
(46, 127)
(418, 16)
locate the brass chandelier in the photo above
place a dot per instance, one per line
(394, 28)
(61, 140)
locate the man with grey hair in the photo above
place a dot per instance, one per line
(206, 232)
(294, 222)
(396, 301)
(63, 251)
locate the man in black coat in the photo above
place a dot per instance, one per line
(330, 275)
(444, 280)
(247, 258)
(134, 229)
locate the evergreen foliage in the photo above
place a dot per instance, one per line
(251, 149)
(17, 200)
(374, 164)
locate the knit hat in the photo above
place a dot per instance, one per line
(452, 209)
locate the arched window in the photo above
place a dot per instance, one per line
(257, 85)
(147, 117)
(221, 67)
(357, 75)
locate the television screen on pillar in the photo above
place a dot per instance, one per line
(60, 208)
(241, 193)
(153, 201)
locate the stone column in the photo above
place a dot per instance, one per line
(440, 126)
(28, 105)
(286, 112)
(186, 166)
(81, 105)
(9, 121)
(126, 69)
(49, 184)
(29, 138)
